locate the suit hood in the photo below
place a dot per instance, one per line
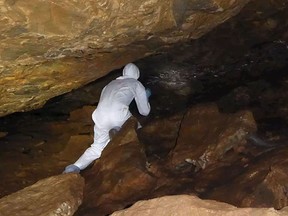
(131, 71)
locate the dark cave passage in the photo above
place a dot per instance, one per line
(34, 138)
(203, 91)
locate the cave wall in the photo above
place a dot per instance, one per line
(51, 47)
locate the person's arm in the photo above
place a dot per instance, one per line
(142, 100)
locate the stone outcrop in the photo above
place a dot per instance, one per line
(51, 47)
(263, 184)
(164, 132)
(206, 135)
(123, 175)
(56, 195)
(43, 147)
(42, 58)
(183, 205)
(119, 177)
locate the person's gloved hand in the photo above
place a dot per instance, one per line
(148, 92)
(71, 169)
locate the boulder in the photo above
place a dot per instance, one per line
(160, 135)
(206, 135)
(56, 195)
(262, 184)
(183, 205)
(119, 178)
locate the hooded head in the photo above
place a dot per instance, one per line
(131, 71)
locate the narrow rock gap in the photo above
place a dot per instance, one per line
(205, 92)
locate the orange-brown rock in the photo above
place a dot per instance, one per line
(51, 47)
(76, 145)
(262, 184)
(3, 134)
(83, 115)
(43, 148)
(160, 135)
(184, 205)
(206, 135)
(56, 195)
(119, 178)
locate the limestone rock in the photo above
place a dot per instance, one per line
(263, 184)
(50, 47)
(73, 149)
(119, 178)
(82, 115)
(206, 135)
(57, 195)
(184, 205)
(160, 135)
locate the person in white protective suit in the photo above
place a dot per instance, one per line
(113, 111)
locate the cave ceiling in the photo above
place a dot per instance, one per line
(51, 47)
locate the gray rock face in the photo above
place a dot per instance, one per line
(57, 195)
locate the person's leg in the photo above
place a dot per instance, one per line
(101, 139)
(92, 153)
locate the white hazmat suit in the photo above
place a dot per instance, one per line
(113, 110)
